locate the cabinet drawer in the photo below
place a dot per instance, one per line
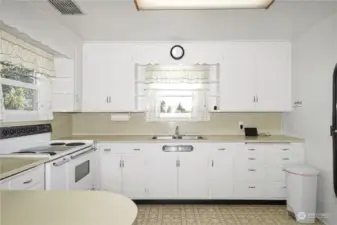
(27, 179)
(250, 173)
(276, 173)
(277, 190)
(249, 190)
(250, 153)
(121, 148)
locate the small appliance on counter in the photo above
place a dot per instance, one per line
(251, 132)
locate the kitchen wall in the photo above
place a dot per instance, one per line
(220, 123)
(314, 58)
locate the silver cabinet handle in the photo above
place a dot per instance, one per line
(107, 99)
(136, 149)
(222, 149)
(82, 154)
(178, 163)
(286, 159)
(285, 149)
(178, 148)
(252, 149)
(123, 165)
(254, 100)
(252, 170)
(28, 181)
(251, 187)
(62, 162)
(251, 158)
(120, 163)
(257, 98)
(212, 163)
(107, 150)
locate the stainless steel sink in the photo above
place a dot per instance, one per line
(180, 137)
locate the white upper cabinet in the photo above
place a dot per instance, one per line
(65, 94)
(274, 76)
(256, 76)
(108, 78)
(238, 78)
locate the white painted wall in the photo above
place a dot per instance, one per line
(39, 25)
(314, 58)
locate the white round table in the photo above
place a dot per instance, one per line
(65, 208)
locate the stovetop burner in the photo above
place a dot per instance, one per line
(58, 144)
(39, 153)
(75, 144)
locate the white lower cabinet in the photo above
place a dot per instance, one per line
(210, 171)
(162, 173)
(32, 179)
(221, 172)
(193, 173)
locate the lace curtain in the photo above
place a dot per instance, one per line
(16, 52)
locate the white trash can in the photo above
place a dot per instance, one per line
(302, 192)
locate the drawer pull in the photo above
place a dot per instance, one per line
(107, 150)
(251, 187)
(286, 159)
(252, 158)
(284, 187)
(251, 149)
(28, 181)
(136, 149)
(222, 149)
(252, 170)
(285, 149)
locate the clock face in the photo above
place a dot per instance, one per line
(177, 52)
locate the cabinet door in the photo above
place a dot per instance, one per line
(45, 99)
(221, 173)
(193, 176)
(274, 77)
(162, 175)
(237, 80)
(110, 171)
(109, 75)
(97, 72)
(133, 174)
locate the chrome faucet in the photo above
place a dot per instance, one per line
(177, 131)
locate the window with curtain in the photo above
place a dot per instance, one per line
(175, 92)
(24, 73)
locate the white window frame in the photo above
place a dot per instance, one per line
(19, 115)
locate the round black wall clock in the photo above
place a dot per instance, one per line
(177, 52)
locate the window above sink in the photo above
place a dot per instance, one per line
(177, 92)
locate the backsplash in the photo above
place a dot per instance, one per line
(220, 123)
(62, 125)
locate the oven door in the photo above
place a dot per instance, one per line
(81, 170)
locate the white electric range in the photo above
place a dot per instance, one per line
(71, 165)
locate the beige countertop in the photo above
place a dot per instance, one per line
(12, 166)
(65, 208)
(209, 138)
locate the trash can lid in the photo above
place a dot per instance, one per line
(302, 170)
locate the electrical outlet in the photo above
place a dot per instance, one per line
(241, 125)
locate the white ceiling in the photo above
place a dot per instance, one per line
(108, 20)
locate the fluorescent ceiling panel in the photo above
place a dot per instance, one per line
(201, 4)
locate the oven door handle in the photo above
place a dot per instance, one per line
(82, 154)
(62, 162)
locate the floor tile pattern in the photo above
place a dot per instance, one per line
(214, 215)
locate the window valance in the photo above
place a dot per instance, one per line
(19, 53)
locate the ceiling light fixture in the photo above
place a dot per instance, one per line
(201, 4)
